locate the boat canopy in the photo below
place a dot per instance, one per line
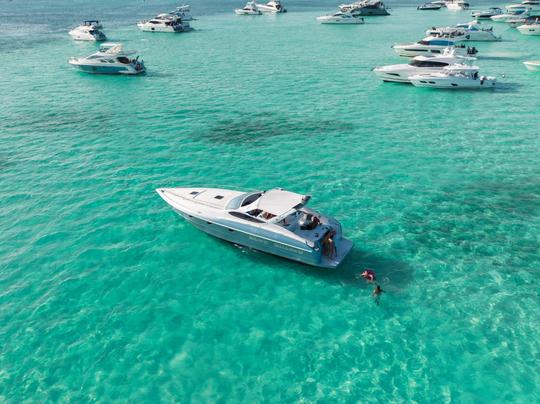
(278, 202)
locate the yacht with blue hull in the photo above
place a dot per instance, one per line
(274, 221)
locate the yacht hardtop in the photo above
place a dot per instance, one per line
(274, 221)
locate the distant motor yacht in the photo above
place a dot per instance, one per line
(365, 8)
(457, 5)
(274, 221)
(532, 28)
(508, 15)
(429, 6)
(273, 6)
(470, 31)
(249, 9)
(88, 32)
(340, 18)
(525, 5)
(454, 77)
(432, 45)
(164, 23)
(400, 73)
(111, 59)
(184, 12)
(487, 14)
(532, 65)
(516, 22)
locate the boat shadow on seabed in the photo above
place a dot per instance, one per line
(392, 275)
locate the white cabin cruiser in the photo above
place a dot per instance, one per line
(532, 65)
(273, 6)
(432, 45)
(274, 221)
(516, 22)
(249, 9)
(457, 5)
(184, 12)
(532, 28)
(526, 5)
(510, 15)
(454, 77)
(365, 8)
(471, 31)
(487, 14)
(87, 32)
(164, 23)
(429, 6)
(400, 73)
(340, 18)
(111, 59)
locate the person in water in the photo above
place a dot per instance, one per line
(369, 275)
(377, 294)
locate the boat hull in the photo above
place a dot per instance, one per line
(349, 21)
(112, 70)
(533, 66)
(454, 83)
(529, 29)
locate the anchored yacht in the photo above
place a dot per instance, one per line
(273, 6)
(340, 18)
(365, 8)
(532, 28)
(274, 221)
(429, 6)
(111, 59)
(88, 31)
(432, 45)
(454, 77)
(400, 73)
(471, 31)
(164, 23)
(487, 14)
(249, 9)
(184, 12)
(457, 5)
(510, 14)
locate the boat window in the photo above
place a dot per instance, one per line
(420, 63)
(218, 197)
(245, 217)
(250, 199)
(123, 59)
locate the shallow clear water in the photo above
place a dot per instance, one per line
(105, 294)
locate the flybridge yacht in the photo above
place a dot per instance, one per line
(419, 65)
(88, 31)
(471, 31)
(531, 28)
(457, 5)
(516, 22)
(249, 9)
(432, 45)
(111, 59)
(510, 14)
(454, 78)
(164, 23)
(274, 221)
(273, 6)
(365, 8)
(340, 18)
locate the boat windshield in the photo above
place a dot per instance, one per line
(424, 63)
(243, 200)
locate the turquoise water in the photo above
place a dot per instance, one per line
(107, 295)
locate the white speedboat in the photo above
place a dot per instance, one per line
(164, 23)
(516, 22)
(111, 59)
(508, 15)
(249, 9)
(400, 73)
(429, 6)
(471, 31)
(454, 77)
(487, 14)
(532, 65)
(87, 32)
(274, 221)
(457, 5)
(530, 29)
(184, 12)
(432, 45)
(273, 6)
(365, 8)
(340, 18)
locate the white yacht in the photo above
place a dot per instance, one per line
(365, 8)
(510, 14)
(487, 14)
(184, 12)
(87, 31)
(471, 31)
(457, 5)
(432, 45)
(164, 23)
(525, 5)
(454, 77)
(516, 22)
(532, 65)
(249, 9)
(111, 59)
(400, 73)
(273, 6)
(340, 18)
(532, 28)
(429, 6)
(274, 221)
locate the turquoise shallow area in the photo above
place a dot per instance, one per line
(105, 294)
